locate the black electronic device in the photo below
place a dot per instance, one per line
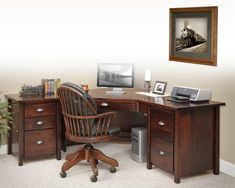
(178, 99)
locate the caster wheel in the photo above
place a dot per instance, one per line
(112, 169)
(93, 178)
(96, 161)
(63, 174)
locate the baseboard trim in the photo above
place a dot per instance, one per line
(3, 149)
(227, 167)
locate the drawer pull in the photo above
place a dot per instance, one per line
(40, 142)
(161, 123)
(161, 153)
(40, 110)
(39, 122)
(104, 104)
(145, 114)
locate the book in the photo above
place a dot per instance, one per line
(50, 86)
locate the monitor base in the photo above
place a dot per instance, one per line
(115, 91)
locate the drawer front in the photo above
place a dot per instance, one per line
(40, 123)
(162, 123)
(117, 106)
(39, 143)
(162, 153)
(36, 110)
(143, 108)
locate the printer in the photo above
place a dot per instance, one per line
(180, 93)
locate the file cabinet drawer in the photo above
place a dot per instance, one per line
(36, 110)
(162, 153)
(42, 142)
(40, 123)
(162, 123)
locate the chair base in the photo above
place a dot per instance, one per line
(92, 155)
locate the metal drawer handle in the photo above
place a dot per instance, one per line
(40, 110)
(145, 114)
(39, 122)
(40, 142)
(104, 104)
(161, 153)
(161, 123)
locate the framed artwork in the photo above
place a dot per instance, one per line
(159, 87)
(193, 35)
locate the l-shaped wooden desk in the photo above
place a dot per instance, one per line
(182, 138)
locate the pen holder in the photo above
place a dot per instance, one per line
(147, 86)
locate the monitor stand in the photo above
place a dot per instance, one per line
(115, 91)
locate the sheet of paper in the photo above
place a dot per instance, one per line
(151, 94)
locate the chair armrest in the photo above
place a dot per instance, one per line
(92, 116)
(93, 125)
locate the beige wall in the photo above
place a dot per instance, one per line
(45, 39)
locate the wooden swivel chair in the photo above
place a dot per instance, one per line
(83, 124)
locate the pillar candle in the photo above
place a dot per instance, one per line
(147, 75)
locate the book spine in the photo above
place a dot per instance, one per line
(46, 87)
(51, 90)
(50, 86)
(43, 85)
(57, 85)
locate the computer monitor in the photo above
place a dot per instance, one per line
(115, 75)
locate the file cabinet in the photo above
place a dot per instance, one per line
(36, 127)
(182, 140)
(162, 139)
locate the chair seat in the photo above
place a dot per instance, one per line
(114, 131)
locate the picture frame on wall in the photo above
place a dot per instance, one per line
(193, 35)
(159, 87)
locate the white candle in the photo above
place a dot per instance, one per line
(147, 75)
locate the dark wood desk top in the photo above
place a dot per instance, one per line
(29, 99)
(130, 95)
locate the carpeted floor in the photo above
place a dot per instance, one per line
(45, 173)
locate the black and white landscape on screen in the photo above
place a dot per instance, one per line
(116, 75)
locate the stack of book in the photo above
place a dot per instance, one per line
(50, 86)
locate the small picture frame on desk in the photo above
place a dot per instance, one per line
(159, 87)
